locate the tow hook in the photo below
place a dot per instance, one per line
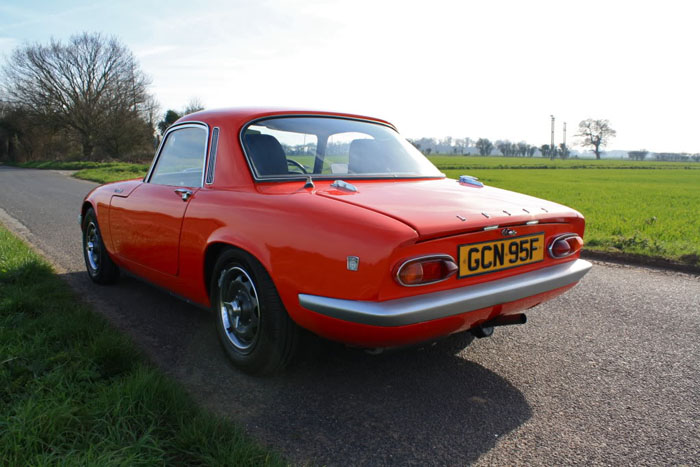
(486, 329)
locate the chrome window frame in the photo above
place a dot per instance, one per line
(256, 178)
(211, 160)
(563, 236)
(173, 128)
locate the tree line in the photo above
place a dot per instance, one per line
(85, 99)
(592, 133)
(486, 147)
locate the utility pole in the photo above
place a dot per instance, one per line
(564, 133)
(552, 146)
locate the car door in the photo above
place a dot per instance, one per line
(145, 225)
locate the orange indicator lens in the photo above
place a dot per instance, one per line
(426, 271)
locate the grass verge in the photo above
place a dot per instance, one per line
(77, 392)
(112, 174)
(100, 172)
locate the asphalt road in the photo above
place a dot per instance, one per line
(607, 374)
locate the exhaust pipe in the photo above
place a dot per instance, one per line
(486, 329)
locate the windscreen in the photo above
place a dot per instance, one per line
(325, 147)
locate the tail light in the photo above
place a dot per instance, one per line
(426, 270)
(565, 245)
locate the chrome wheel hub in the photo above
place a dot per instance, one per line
(239, 308)
(92, 246)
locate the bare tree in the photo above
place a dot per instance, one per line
(638, 155)
(171, 116)
(522, 148)
(83, 85)
(485, 146)
(464, 144)
(595, 134)
(8, 132)
(194, 105)
(673, 156)
(507, 148)
(564, 151)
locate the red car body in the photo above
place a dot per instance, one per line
(305, 236)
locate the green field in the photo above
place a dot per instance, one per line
(654, 211)
(74, 391)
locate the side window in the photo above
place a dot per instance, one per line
(181, 160)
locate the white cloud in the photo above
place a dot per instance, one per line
(463, 68)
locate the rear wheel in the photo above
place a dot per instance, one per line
(253, 325)
(99, 265)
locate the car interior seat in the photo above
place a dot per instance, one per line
(365, 157)
(266, 154)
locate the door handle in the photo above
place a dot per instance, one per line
(184, 193)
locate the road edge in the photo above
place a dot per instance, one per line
(651, 262)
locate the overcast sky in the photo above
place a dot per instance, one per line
(495, 69)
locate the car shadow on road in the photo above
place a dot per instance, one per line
(335, 406)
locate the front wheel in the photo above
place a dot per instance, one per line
(99, 265)
(253, 325)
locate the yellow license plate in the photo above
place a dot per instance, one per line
(497, 255)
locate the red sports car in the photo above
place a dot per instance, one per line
(281, 220)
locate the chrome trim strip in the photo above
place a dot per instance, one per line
(436, 305)
(177, 126)
(555, 240)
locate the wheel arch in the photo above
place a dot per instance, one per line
(84, 209)
(212, 253)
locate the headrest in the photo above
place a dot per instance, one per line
(365, 157)
(266, 154)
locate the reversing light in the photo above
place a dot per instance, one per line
(426, 270)
(565, 245)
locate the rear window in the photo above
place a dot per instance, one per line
(325, 147)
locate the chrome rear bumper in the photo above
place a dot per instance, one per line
(426, 307)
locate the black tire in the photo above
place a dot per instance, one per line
(99, 265)
(252, 323)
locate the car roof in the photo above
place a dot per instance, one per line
(237, 117)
